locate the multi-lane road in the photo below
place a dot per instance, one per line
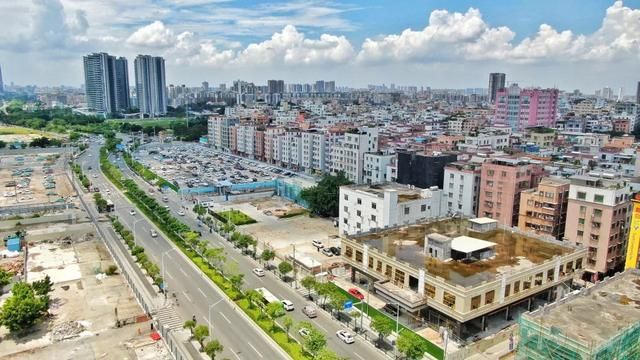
(197, 295)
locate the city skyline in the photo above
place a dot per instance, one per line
(440, 45)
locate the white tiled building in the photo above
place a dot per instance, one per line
(364, 207)
(376, 166)
(348, 155)
(462, 188)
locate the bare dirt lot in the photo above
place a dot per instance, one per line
(82, 324)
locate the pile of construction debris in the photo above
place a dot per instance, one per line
(67, 330)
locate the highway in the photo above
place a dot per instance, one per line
(359, 350)
(196, 295)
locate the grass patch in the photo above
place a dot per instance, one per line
(163, 122)
(236, 217)
(432, 349)
(16, 130)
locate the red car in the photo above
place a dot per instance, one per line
(355, 292)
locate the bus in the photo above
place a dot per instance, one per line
(267, 296)
(110, 206)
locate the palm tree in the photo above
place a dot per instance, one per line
(200, 333)
(309, 282)
(189, 324)
(212, 348)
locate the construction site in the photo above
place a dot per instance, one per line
(599, 322)
(93, 313)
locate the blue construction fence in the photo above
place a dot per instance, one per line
(281, 187)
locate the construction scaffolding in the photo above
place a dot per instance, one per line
(570, 330)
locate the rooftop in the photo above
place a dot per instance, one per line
(405, 192)
(596, 314)
(513, 251)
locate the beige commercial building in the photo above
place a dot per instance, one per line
(543, 209)
(461, 273)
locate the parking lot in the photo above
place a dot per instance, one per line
(195, 165)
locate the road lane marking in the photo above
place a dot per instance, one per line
(234, 353)
(360, 357)
(221, 314)
(202, 292)
(171, 276)
(184, 272)
(187, 296)
(254, 349)
(320, 326)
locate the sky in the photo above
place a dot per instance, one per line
(570, 44)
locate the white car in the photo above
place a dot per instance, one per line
(154, 233)
(304, 332)
(258, 272)
(181, 213)
(132, 212)
(345, 336)
(317, 243)
(287, 305)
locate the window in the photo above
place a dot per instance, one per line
(526, 284)
(430, 290)
(583, 210)
(373, 218)
(406, 210)
(370, 262)
(399, 278)
(578, 264)
(550, 275)
(489, 297)
(359, 213)
(516, 287)
(346, 209)
(374, 205)
(581, 221)
(570, 267)
(346, 197)
(490, 172)
(582, 195)
(348, 251)
(580, 233)
(449, 299)
(387, 271)
(359, 201)
(379, 266)
(504, 174)
(507, 290)
(538, 279)
(358, 256)
(475, 302)
(423, 207)
(598, 198)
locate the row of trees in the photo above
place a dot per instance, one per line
(407, 343)
(200, 333)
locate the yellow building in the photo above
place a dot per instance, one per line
(633, 245)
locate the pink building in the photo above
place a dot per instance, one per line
(524, 108)
(501, 182)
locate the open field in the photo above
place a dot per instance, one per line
(164, 122)
(16, 133)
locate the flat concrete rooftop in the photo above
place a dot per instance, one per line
(597, 314)
(405, 193)
(514, 251)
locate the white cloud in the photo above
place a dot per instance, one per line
(154, 35)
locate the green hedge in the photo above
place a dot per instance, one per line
(236, 217)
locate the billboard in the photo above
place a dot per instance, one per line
(633, 245)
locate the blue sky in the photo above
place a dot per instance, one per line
(569, 43)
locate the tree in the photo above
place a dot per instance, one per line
(383, 325)
(309, 282)
(411, 345)
(267, 255)
(23, 308)
(237, 280)
(215, 255)
(200, 333)
(337, 301)
(315, 341)
(189, 324)
(5, 279)
(212, 348)
(254, 297)
(285, 268)
(326, 354)
(3, 144)
(244, 241)
(287, 323)
(274, 310)
(42, 287)
(323, 199)
(324, 290)
(355, 315)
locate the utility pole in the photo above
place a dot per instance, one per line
(295, 275)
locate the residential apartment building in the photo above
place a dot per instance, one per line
(151, 88)
(543, 209)
(316, 146)
(524, 108)
(496, 82)
(599, 218)
(462, 187)
(502, 181)
(543, 137)
(486, 140)
(219, 131)
(106, 80)
(270, 139)
(367, 207)
(376, 166)
(348, 155)
(245, 140)
(423, 170)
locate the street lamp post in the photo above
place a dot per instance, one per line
(135, 237)
(211, 307)
(164, 278)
